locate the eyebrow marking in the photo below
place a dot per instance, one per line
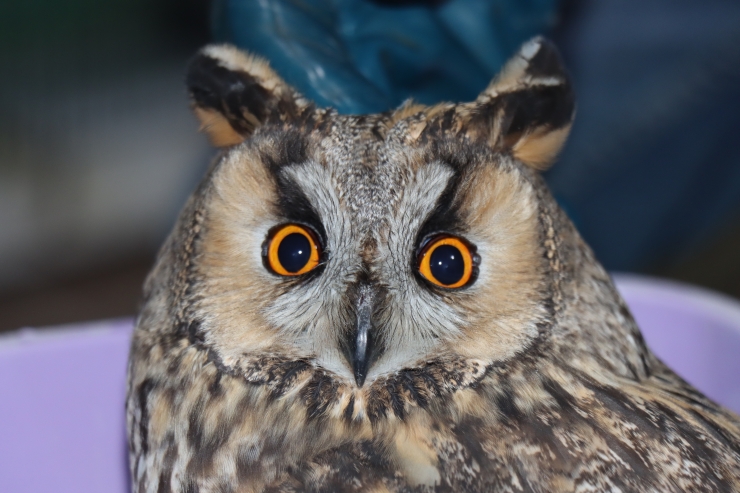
(292, 202)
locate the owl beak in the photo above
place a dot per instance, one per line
(361, 347)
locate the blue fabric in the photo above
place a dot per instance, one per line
(364, 57)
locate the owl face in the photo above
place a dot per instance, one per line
(364, 244)
(395, 302)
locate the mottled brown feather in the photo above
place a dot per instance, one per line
(534, 377)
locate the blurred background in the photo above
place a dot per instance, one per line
(98, 150)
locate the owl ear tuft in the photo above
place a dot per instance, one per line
(233, 93)
(529, 106)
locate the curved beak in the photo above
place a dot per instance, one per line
(361, 346)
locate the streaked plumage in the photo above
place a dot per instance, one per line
(532, 377)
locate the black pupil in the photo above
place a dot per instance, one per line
(294, 252)
(447, 264)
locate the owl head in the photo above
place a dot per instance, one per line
(366, 245)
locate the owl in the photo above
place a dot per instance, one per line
(396, 303)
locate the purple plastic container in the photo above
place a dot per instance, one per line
(694, 331)
(62, 426)
(62, 417)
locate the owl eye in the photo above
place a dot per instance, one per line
(292, 250)
(446, 261)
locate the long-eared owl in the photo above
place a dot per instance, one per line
(395, 302)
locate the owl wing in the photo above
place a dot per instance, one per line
(659, 434)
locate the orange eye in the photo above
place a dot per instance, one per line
(447, 261)
(292, 250)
